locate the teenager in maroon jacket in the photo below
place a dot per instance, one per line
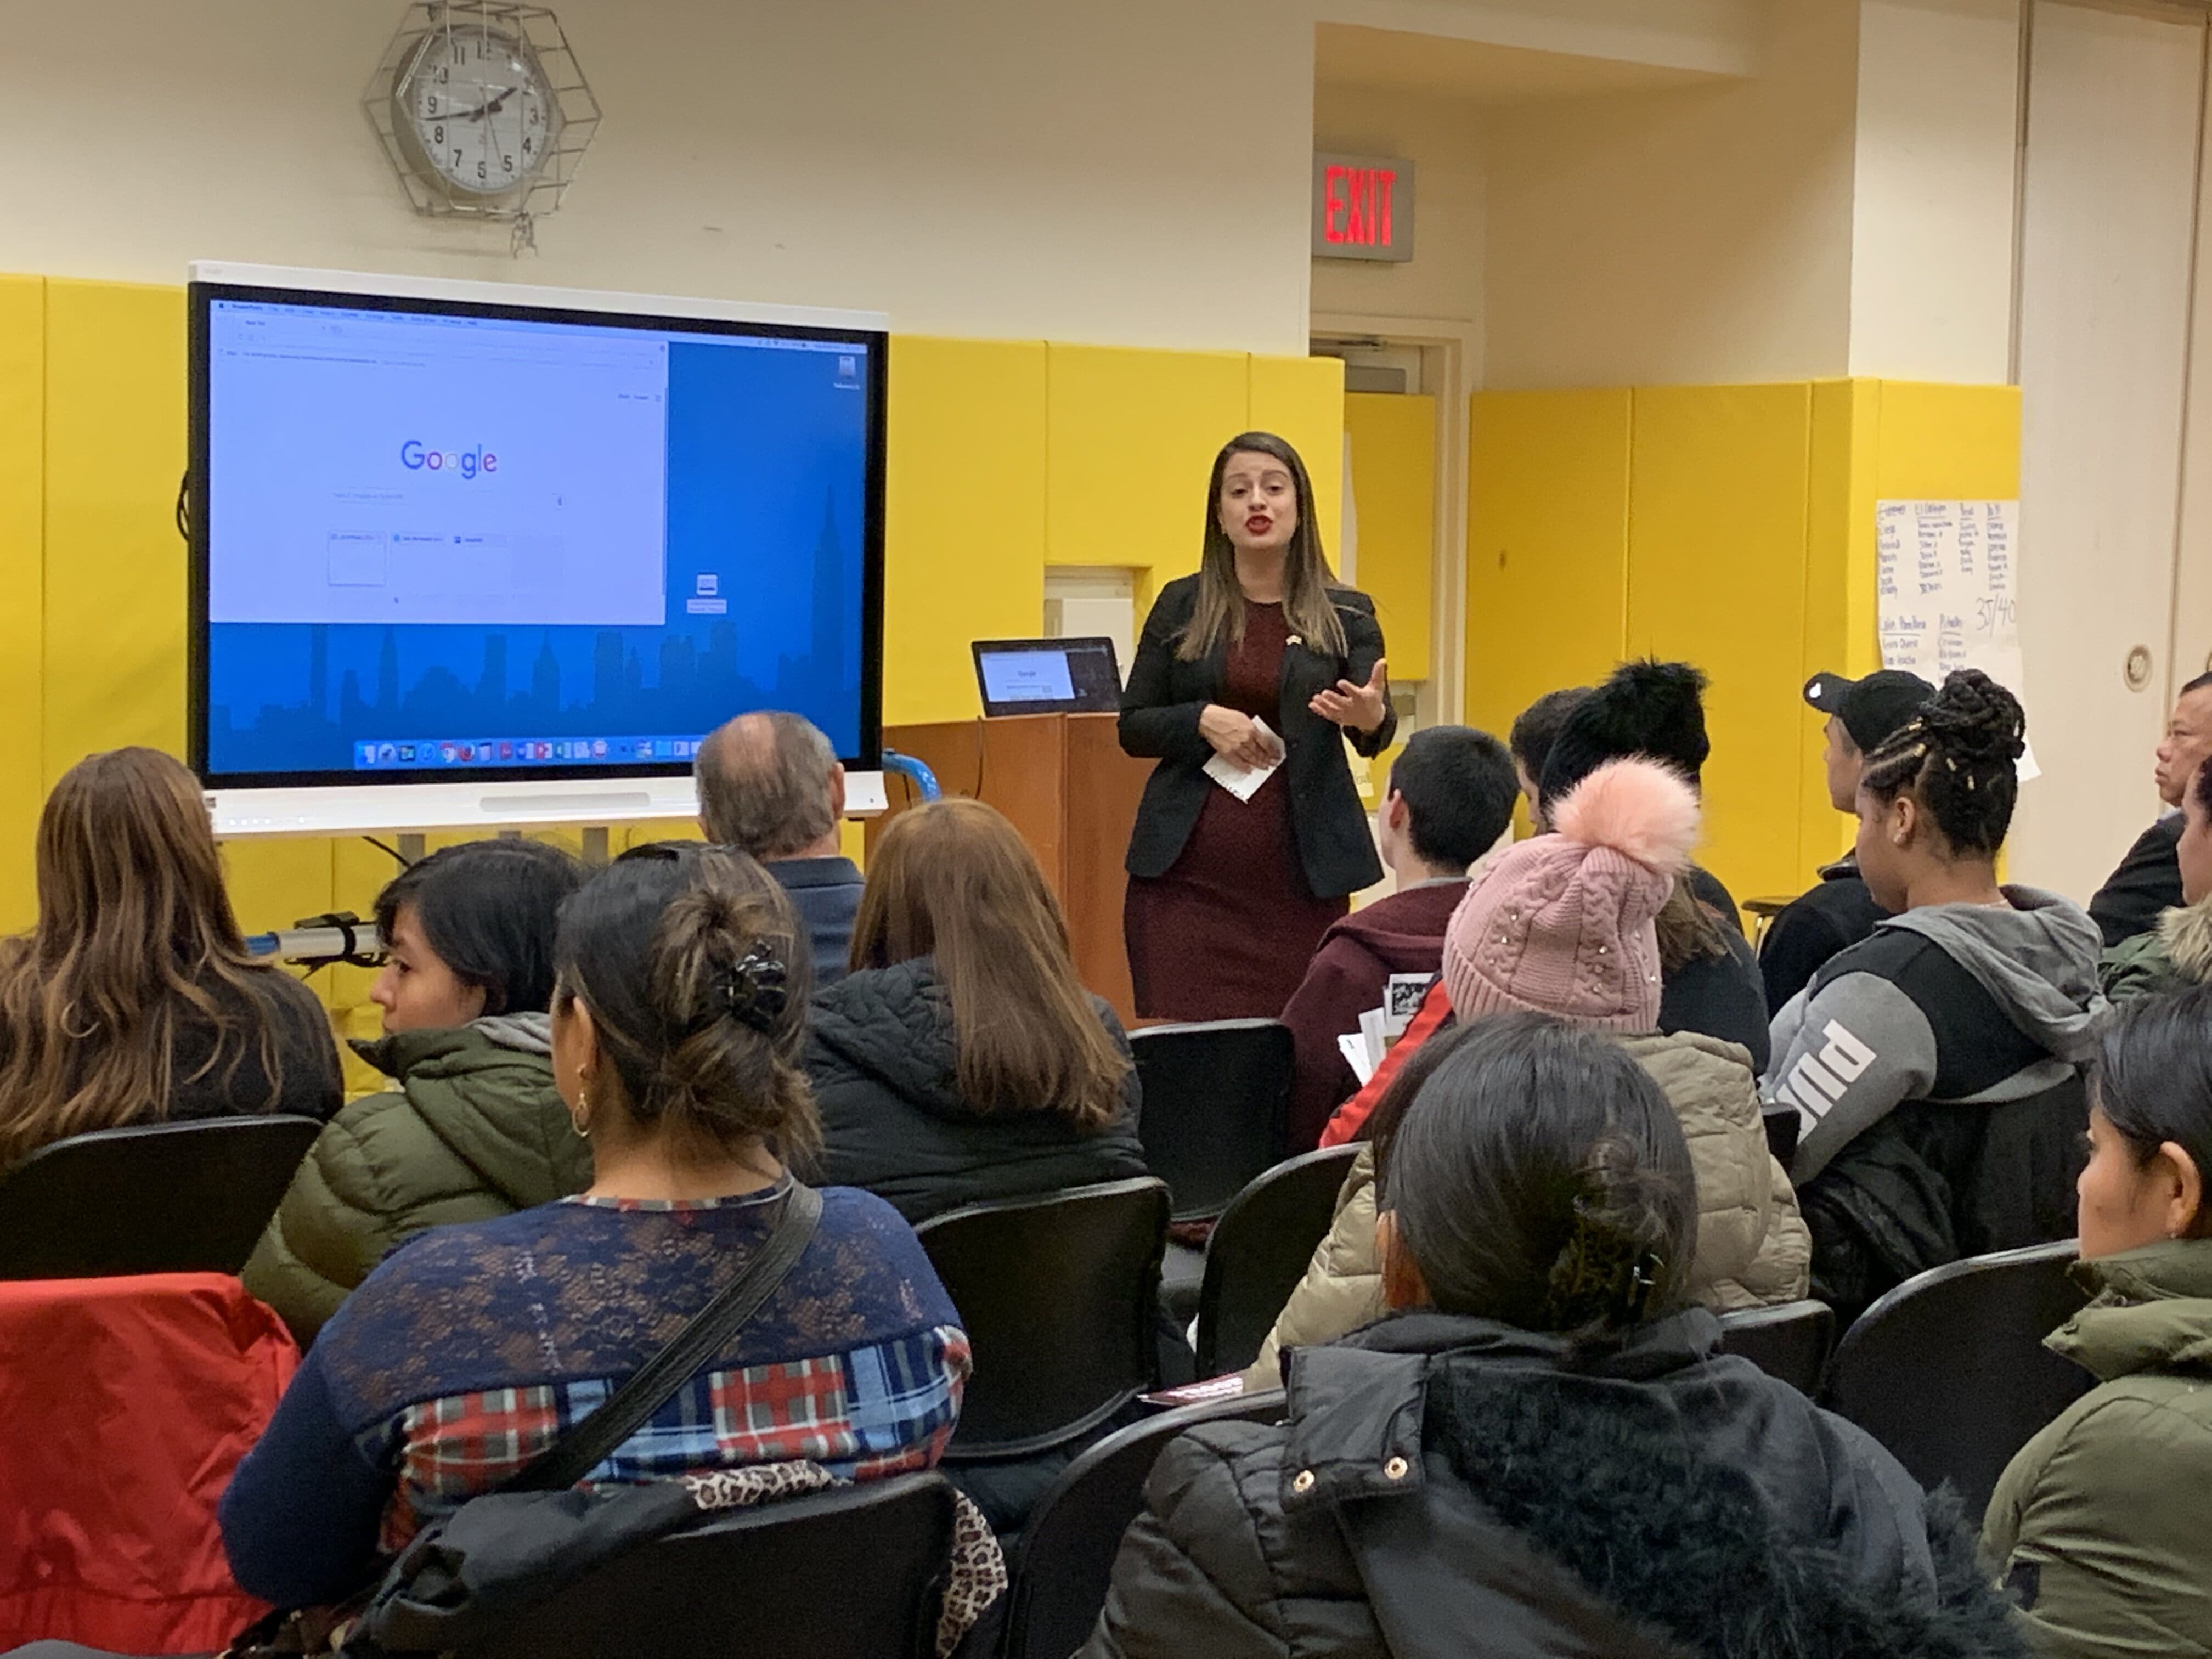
(1450, 798)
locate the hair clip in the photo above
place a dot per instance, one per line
(754, 990)
(1642, 1279)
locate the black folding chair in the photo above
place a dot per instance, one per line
(1791, 1341)
(1059, 1571)
(1948, 1371)
(1056, 1295)
(1260, 1250)
(859, 1571)
(156, 1198)
(1215, 1095)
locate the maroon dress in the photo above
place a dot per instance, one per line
(1227, 932)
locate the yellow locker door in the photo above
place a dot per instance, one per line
(1131, 436)
(1716, 553)
(964, 553)
(22, 495)
(1548, 546)
(1394, 495)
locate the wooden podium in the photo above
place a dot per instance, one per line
(1064, 782)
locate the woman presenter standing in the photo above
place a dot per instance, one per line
(1260, 659)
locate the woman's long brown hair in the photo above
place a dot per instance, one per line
(1307, 581)
(953, 881)
(136, 937)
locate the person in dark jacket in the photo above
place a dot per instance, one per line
(2177, 952)
(1259, 661)
(1449, 802)
(1536, 729)
(474, 1129)
(771, 786)
(133, 1000)
(1837, 912)
(961, 1059)
(2147, 882)
(1936, 1067)
(1541, 1452)
(1656, 709)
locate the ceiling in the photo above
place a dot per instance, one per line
(1351, 55)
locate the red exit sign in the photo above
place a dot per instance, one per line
(1363, 208)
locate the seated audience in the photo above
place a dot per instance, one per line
(2177, 952)
(1656, 709)
(1935, 1066)
(1449, 802)
(1541, 1450)
(772, 787)
(1837, 911)
(1564, 924)
(2098, 1528)
(2147, 882)
(961, 1059)
(678, 1017)
(475, 1128)
(1534, 730)
(133, 1000)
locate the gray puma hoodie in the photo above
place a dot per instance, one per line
(1966, 1003)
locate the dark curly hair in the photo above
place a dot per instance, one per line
(1958, 758)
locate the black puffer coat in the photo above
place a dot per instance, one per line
(885, 1064)
(1449, 1486)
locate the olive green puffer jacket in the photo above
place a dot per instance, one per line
(2173, 957)
(475, 1131)
(2100, 1527)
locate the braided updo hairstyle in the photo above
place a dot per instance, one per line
(1540, 1178)
(691, 963)
(1958, 758)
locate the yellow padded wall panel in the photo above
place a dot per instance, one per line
(965, 493)
(1839, 598)
(1302, 400)
(1394, 489)
(1717, 537)
(22, 426)
(1548, 546)
(1131, 436)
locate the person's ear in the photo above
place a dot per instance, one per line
(2181, 1188)
(1402, 1285)
(1904, 820)
(1395, 811)
(837, 793)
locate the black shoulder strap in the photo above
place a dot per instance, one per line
(588, 1444)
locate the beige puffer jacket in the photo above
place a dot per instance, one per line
(1753, 1250)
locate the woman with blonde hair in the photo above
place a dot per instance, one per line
(133, 1000)
(962, 1059)
(1262, 660)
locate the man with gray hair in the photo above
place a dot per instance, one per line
(771, 785)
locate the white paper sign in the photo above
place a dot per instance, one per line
(1947, 586)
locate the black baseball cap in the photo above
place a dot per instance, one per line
(1873, 709)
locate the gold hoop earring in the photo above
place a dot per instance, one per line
(580, 1119)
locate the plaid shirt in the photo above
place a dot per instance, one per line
(876, 1411)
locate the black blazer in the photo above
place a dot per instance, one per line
(1159, 719)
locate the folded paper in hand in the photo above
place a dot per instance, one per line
(1244, 781)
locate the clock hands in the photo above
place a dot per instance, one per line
(490, 108)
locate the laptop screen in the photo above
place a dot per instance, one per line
(1047, 676)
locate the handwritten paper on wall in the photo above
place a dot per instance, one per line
(1947, 575)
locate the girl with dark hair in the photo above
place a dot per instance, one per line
(2177, 952)
(2098, 1527)
(679, 1019)
(1935, 1066)
(960, 1060)
(1541, 1452)
(133, 1000)
(1228, 898)
(472, 1129)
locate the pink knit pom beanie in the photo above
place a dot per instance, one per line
(1562, 924)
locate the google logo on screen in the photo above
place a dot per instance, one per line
(466, 462)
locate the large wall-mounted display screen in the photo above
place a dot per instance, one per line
(437, 540)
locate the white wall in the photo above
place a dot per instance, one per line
(2110, 185)
(1442, 137)
(1686, 236)
(1131, 173)
(1932, 203)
